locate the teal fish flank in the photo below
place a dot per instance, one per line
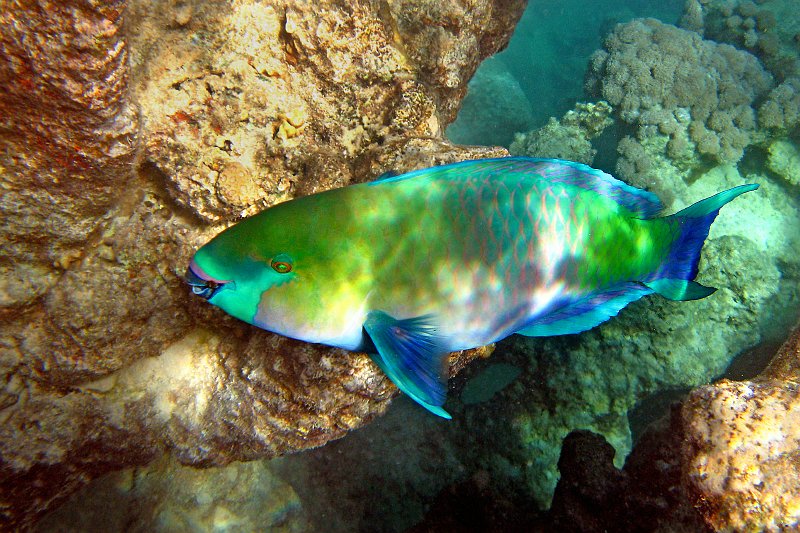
(413, 266)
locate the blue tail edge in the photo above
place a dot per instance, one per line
(674, 279)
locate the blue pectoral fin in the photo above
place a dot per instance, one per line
(586, 313)
(680, 289)
(410, 353)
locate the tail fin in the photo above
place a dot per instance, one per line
(673, 280)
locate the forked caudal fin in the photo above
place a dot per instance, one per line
(674, 279)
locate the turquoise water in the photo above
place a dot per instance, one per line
(545, 65)
(512, 412)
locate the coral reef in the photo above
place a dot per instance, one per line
(784, 159)
(664, 81)
(766, 28)
(781, 110)
(229, 107)
(724, 459)
(495, 107)
(651, 347)
(547, 56)
(124, 151)
(568, 138)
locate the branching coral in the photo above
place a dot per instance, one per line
(568, 138)
(668, 81)
(750, 27)
(781, 110)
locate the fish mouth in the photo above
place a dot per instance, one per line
(202, 284)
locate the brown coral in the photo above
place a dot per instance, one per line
(750, 27)
(781, 110)
(649, 68)
(569, 138)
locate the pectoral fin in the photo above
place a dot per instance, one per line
(411, 354)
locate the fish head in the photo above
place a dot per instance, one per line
(278, 270)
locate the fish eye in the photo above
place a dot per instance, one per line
(281, 266)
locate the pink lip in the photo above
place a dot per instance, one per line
(202, 273)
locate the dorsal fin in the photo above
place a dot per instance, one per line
(386, 175)
(643, 203)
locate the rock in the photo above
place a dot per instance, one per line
(121, 156)
(784, 159)
(591, 496)
(167, 496)
(651, 347)
(741, 454)
(494, 109)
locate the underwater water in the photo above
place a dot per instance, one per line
(541, 73)
(495, 466)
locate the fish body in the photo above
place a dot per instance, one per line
(413, 266)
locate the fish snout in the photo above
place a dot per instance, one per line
(202, 284)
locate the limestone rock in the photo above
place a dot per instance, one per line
(167, 496)
(494, 109)
(741, 454)
(783, 158)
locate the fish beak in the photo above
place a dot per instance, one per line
(202, 284)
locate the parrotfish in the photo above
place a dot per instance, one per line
(411, 267)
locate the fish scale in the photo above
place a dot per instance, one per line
(412, 266)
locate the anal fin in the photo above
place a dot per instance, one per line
(586, 313)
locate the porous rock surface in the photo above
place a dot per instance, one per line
(741, 451)
(131, 135)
